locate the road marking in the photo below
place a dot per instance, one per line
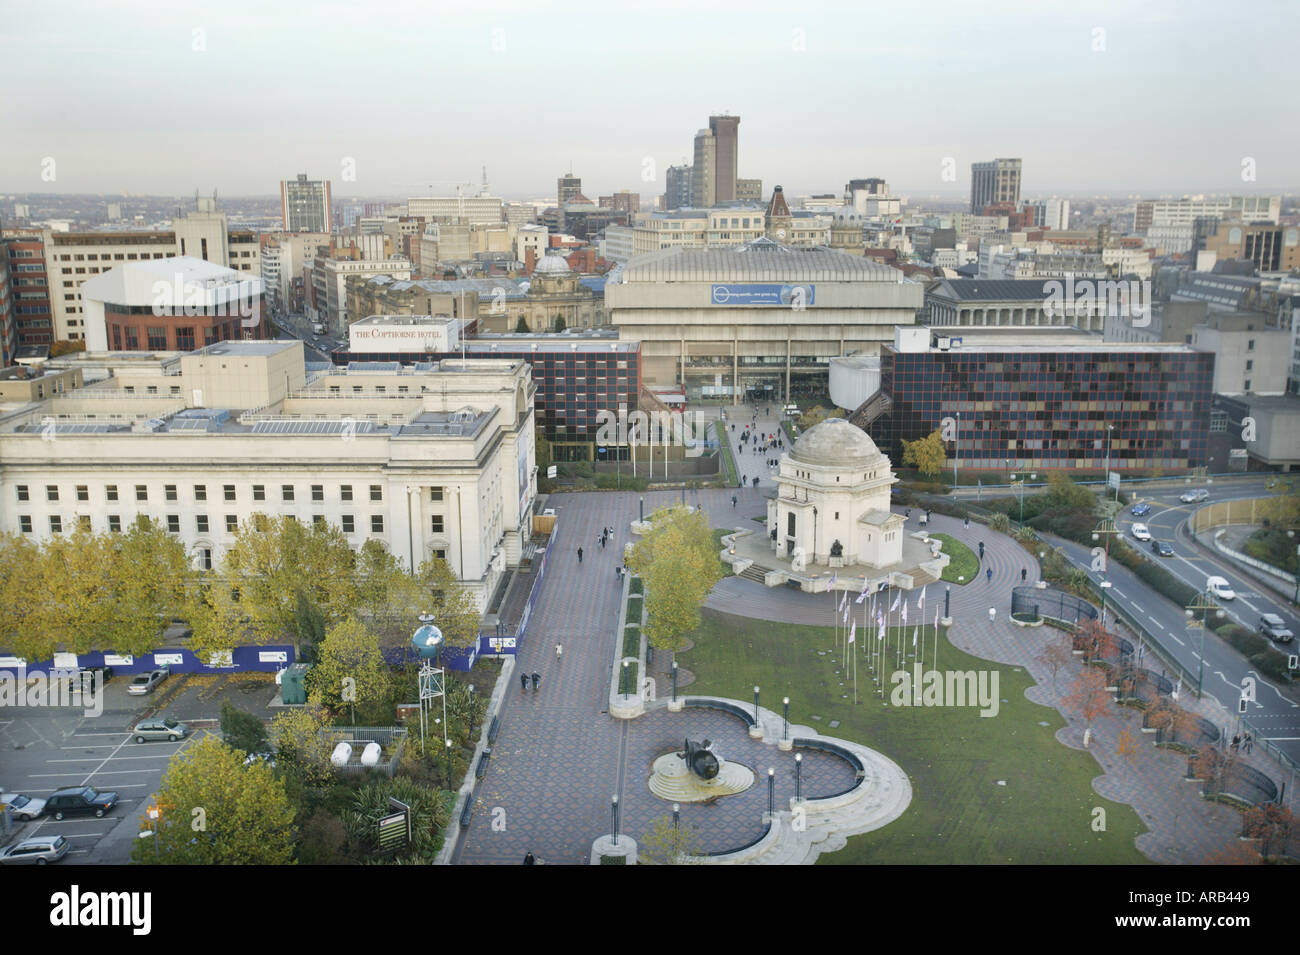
(1137, 608)
(1180, 643)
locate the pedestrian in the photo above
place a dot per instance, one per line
(618, 572)
(755, 482)
(559, 648)
(1024, 573)
(537, 678)
(927, 515)
(981, 550)
(743, 481)
(907, 513)
(580, 555)
(733, 429)
(1250, 743)
(523, 680)
(1236, 742)
(988, 575)
(529, 859)
(733, 501)
(967, 522)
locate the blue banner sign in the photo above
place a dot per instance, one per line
(790, 296)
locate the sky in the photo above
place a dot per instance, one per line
(398, 98)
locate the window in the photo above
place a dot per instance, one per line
(1250, 364)
(376, 492)
(84, 521)
(201, 523)
(25, 523)
(435, 494)
(56, 525)
(1247, 386)
(318, 520)
(22, 492)
(169, 492)
(377, 523)
(110, 492)
(229, 490)
(51, 492)
(349, 526)
(141, 492)
(259, 492)
(205, 558)
(173, 523)
(1250, 345)
(436, 524)
(318, 492)
(157, 338)
(83, 492)
(232, 523)
(440, 554)
(286, 492)
(200, 492)
(345, 492)
(114, 523)
(185, 339)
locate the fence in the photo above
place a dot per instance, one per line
(391, 739)
(1053, 604)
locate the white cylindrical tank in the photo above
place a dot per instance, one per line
(342, 753)
(853, 380)
(370, 755)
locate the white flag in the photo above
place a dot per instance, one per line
(920, 601)
(853, 632)
(904, 613)
(862, 596)
(880, 634)
(894, 605)
(844, 600)
(914, 633)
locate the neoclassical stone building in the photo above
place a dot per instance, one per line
(833, 500)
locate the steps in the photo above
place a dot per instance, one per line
(756, 573)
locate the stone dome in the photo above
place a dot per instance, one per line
(846, 215)
(552, 265)
(835, 443)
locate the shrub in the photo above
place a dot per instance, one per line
(1000, 523)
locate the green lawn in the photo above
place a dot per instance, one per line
(730, 474)
(953, 756)
(964, 563)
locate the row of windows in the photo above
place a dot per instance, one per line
(202, 526)
(288, 492)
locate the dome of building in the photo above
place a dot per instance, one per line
(835, 443)
(551, 264)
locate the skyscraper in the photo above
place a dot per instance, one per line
(703, 184)
(994, 182)
(725, 130)
(567, 189)
(677, 195)
(305, 204)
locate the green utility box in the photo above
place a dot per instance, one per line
(293, 684)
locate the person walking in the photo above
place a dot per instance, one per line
(537, 678)
(981, 550)
(967, 522)
(988, 575)
(523, 680)
(733, 501)
(755, 482)
(1249, 743)
(1024, 573)
(559, 649)
(580, 555)
(1236, 742)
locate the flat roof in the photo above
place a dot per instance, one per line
(768, 261)
(249, 347)
(405, 320)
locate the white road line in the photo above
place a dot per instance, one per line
(1121, 593)
(1180, 643)
(1155, 621)
(1138, 609)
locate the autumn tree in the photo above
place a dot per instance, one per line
(303, 743)
(1212, 767)
(1096, 642)
(1062, 492)
(1088, 694)
(217, 811)
(667, 844)
(216, 617)
(150, 574)
(1056, 656)
(815, 416)
(242, 730)
(350, 670)
(22, 629)
(678, 562)
(390, 599)
(926, 454)
(1273, 825)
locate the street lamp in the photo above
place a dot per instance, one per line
(623, 680)
(674, 681)
(1106, 527)
(1105, 586)
(1021, 485)
(755, 706)
(771, 790)
(155, 814)
(785, 716)
(1204, 602)
(798, 776)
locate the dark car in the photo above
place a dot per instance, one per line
(80, 801)
(1275, 628)
(1162, 549)
(1139, 510)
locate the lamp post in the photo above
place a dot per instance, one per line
(471, 710)
(785, 717)
(798, 776)
(771, 790)
(755, 706)
(623, 679)
(1021, 485)
(613, 819)
(1204, 602)
(155, 815)
(1107, 528)
(674, 681)
(642, 510)
(677, 817)
(1105, 586)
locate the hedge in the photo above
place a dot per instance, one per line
(1256, 649)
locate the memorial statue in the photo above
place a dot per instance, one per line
(837, 549)
(700, 759)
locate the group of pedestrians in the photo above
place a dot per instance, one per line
(1243, 744)
(537, 677)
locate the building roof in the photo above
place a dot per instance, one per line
(992, 290)
(171, 282)
(835, 443)
(759, 261)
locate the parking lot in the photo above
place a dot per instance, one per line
(46, 748)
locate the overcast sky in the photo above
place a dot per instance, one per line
(166, 97)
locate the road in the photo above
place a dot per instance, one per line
(317, 347)
(1276, 716)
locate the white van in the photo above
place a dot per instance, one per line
(1219, 587)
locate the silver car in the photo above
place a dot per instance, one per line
(38, 850)
(146, 682)
(23, 807)
(156, 729)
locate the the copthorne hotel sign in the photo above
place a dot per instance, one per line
(371, 335)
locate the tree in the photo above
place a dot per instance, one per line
(1273, 825)
(926, 454)
(217, 811)
(216, 617)
(560, 324)
(666, 844)
(1062, 492)
(311, 628)
(21, 625)
(1088, 694)
(1096, 642)
(678, 562)
(1211, 767)
(351, 669)
(1056, 656)
(521, 326)
(303, 743)
(817, 414)
(241, 729)
(149, 573)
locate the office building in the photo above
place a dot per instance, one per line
(1183, 212)
(1250, 357)
(468, 210)
(29, 287)
(726, 156)
(678, 193)
(1270, 248)
(305, 204)
(704, 183)
(993, 183)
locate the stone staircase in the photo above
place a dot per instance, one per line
(921, 578)
(755, 572)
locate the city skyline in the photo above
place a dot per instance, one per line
(1078, 97)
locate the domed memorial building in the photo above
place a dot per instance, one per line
(830, 520)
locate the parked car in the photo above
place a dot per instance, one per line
(89, 678)
(1192, 497)
(146, 682)
(1140, 532)
(155, 729)
(1162, 549)
(23, 807)
(1140, 510)
(38, 850)
(1275, 628)
(80, 801)
(1220, 588)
